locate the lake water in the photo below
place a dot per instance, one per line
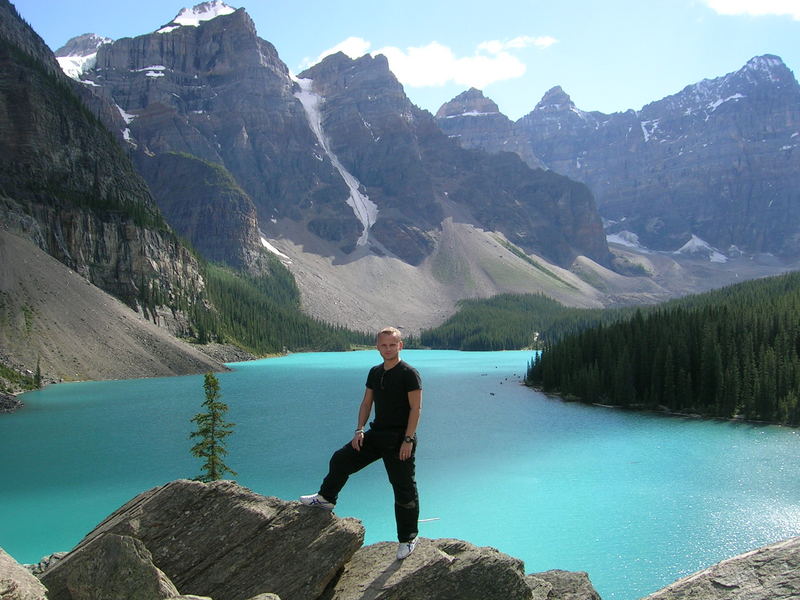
(636, 500)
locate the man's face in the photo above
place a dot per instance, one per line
(389, 346)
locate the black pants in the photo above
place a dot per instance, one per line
(384, 445)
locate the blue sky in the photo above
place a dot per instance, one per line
(608, 55)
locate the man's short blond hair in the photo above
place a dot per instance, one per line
(393, 331)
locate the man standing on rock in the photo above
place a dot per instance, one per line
(395, 388)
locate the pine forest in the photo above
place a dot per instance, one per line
(731, 353)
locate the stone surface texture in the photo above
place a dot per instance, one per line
(224, 541)
(17, 583)
(109, 566)
(562, 585)
(437, 570)
(769, 573)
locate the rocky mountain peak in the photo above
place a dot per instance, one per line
(768, 66)
(469, 103)
(339, 69)
(192, 17)
(555, 99)
(766, 74)
(556, 109)
(476, 122)
(80, 53)
(82, 45)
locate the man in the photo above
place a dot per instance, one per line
(395, 389)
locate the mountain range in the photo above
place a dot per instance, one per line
(719, 161)
(382, 212)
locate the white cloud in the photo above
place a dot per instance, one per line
(354, 47)
(522, 41)
(436, 64)
(756, 8)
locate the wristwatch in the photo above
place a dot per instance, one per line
(408, 439)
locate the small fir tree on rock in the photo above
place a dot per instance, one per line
(212, 431)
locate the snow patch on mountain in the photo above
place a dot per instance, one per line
(472, 113)
(273, 249)
(75, 66)
(128, 117)
(192, 17)
(720, 101)
(698, 246)
(649, 128)
(365, 210)
(80, 54)
(626, 238)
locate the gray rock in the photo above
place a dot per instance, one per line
(9, 403)
(769, 573)
(562, 585)
(16, 582)
(45, 563)
(109, 566)
(443, 569)
(227, 542)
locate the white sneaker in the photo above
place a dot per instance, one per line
(316, 500)
(406, 548)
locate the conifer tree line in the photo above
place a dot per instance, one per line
(513, 322)
(262, 314)
(734, 352)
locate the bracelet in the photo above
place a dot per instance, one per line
(360, 430)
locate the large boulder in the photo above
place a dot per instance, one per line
(16, 582)
(769, 573)
(562, 585)
(224, 541)
(443, 569)
(108, 566)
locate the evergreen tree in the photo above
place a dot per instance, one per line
(212, 431)
(37, 379)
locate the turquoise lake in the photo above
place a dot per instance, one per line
(636, 500)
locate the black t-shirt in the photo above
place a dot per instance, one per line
(390, 393)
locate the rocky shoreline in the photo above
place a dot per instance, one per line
(9, 403)
(221, 541)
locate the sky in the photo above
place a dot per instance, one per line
(608, 55)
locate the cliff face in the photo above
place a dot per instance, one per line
(67, 185)
(415, 174)
(718, 160)
(220, 93)
(341, 151)
(476, 122)
(206, 206)
(372, 129)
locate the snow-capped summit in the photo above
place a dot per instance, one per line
(80, 53)
(192, 17)
(699, 247)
